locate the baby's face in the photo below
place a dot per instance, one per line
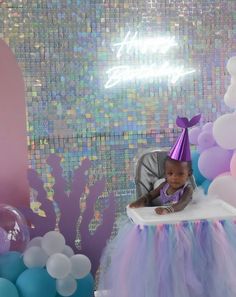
(177, 173)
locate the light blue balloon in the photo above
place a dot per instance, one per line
(11, 265)
(7, 288)
(199, 178)
(85, 287)
(36, 282)
(205, 185)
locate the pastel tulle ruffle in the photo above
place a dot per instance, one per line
(188, 259)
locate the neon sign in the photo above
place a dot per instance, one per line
(130, 45)
(152, 45)
(126, 73)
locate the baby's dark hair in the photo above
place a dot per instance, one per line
(189, 163)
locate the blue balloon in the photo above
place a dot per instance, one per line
(85, 287)
(199, 178)
(36, 282)
(11, 265)
(205, 185)
(7, 288)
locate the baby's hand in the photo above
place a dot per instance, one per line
(139, 203)
(161, 211)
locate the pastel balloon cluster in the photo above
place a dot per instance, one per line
(48, 267)
(213, 159)
(224, 185)
(199, 178)
(205, 167)
(202, 137)
(216, 144)
(14, 232)
(61, 263)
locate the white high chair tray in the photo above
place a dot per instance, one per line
(205, 209)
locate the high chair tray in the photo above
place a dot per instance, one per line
(205, 209)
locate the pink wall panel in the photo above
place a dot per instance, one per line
(14, 189)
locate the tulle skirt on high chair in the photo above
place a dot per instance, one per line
(186, 259)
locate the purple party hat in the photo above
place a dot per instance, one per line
(181, 149)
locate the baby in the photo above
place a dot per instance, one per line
(176, 192)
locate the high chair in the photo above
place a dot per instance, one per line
(190, 253)
(149, 173)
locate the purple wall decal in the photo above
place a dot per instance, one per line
(93, 244)
(41, 225)
(70, 210)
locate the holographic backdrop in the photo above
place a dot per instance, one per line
(66, 47)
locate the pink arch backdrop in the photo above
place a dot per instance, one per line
(14, 189)
(15, 178)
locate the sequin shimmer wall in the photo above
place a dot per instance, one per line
(105, 79)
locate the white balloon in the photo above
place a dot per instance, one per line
(36, 241)
(224, 131)
(231, 65)
(224, 188)
(66, 286)
(53, 242)
(230, 96)
(68, 251)
(80, 266)
(233, 79)
(58, 265)
(35, 256)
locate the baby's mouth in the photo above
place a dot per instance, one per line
(175, 185)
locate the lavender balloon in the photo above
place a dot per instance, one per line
(214, 161)
(205, 140)
(207, 127)
(4, 241)
(193, 134)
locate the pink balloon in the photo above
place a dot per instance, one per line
(233, 165)
(214, 161)
(224, 188)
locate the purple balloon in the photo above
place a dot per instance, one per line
(208, 127)
(214, 161)
(193, 134)
(4, 241)
(199, 149)
(14, 224)
(205, 140)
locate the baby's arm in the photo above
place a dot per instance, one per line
(147, 198)
(183, 202)
(184, 199)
